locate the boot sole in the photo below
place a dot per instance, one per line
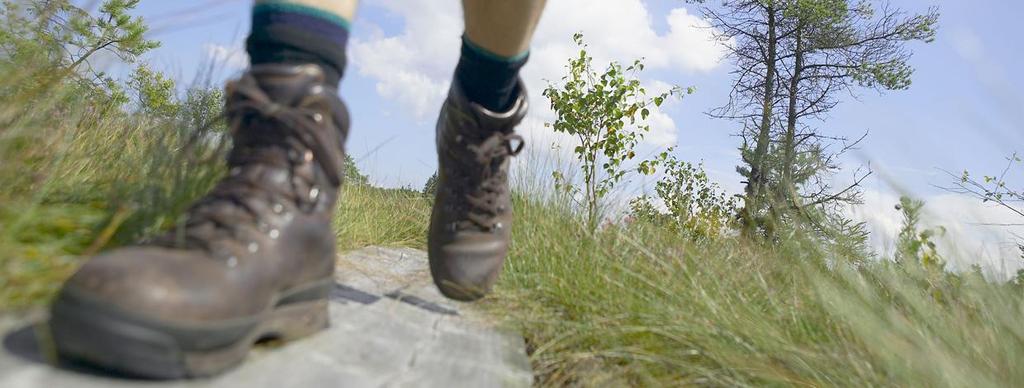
(84, 331)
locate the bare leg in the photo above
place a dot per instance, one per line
(503, 27)
(346, 9)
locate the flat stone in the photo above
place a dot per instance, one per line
(390, 327)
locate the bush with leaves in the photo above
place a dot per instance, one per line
(844, 239)
(61, 39)
(352, 174)
(430, 187)
(914, 245)
(1003, 189)
(606, 113)
(154, 93)
(697, 207)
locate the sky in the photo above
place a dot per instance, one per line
(962, 111)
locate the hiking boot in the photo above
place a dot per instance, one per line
(253, 261)
(471, 221)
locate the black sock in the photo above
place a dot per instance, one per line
(297, 34)
(487, 78)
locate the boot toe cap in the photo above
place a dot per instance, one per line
(148, 281)
(467, 271)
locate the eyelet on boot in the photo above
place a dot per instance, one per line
(274, 234)
(232, 262)
(310, 70)
(314, 193)
(278, 208)
(317, 117)
(253, 247)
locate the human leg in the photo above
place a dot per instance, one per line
(470, 224)
(494, 47)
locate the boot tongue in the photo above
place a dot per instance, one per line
(288, 85)
(288, 109)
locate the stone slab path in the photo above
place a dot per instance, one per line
(389, 328)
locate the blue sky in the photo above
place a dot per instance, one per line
(962, 112)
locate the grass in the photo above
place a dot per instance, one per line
(625, 305)
(79, 174)
(373, 216)
(636, 306)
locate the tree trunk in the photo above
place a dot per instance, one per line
(788, 187)
(758, 170)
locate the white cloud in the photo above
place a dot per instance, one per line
(971, 236)
(663, 129)
(664, 132)
(689, 42)
(413, 67)
(229, 57)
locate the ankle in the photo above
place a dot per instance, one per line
(488, 79)
(295, 34)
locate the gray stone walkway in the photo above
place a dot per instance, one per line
(389, 328)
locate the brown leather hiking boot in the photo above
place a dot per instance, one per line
(471, 221)
(254, 260)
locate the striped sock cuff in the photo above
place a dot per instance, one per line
(487, 78)
(296, 8)
(490, 54)
(285, 32)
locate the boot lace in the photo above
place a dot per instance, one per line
(485, 204)
(229, 205)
